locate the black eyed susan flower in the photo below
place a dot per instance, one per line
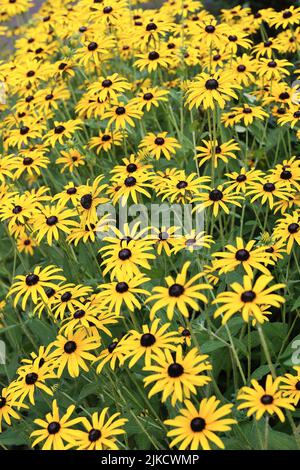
(70, 160)
(122, 113)
(94, 50)
(131, 187)
(61, 131)
(290, 386)
(34, 284)
(153, 338)
(260, 400)
(164, 239)
(267, 191)
(126, 259)
(123, 292)
(181, 188)
(241, 181)
(106, 140)
(72, 352)
(50, 221)
(113, 354)
(248, 299)
(218, 198)
(285, 18)
(132, 165)
(159, 144)
(288, 230)
(266, 48)
(193, 241)
(149, 97)
(211, 90)
(215, 151)
(7, 404)
(197, 427)
(177, 376)
(154, 59)
(32, 378)
(26, 243)
(68, 298)
(178, 294)
(89, 316)
(100, 432)
(243, 254)
(90, 198)
(246, 114)
(57, 431)
(271, 69)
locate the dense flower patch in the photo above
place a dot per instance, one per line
(121, 336)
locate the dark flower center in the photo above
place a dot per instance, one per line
(66, 297)
(241, 178)
(153, 55)
(147, 340)
(112, 346)
(62, 66)
(175, 370)
(232, 38)
(284, 95)
(59, 129)
(268, 43)
(151, 27)
(186, 332)
(31, 73)
(216, 57)
(198, 424)
(122, 287)
(27, 161)
(53, 428)
(241, 68)
(176, 290)
(107, 10)
(130, 181)
(32, 279)
(190, 242)
(210, 29)
(163, 235)
(24, 130)
(211, 84)
(297, 385)
(17, 209)
(82, 29)
(131, 168)
(31, 378)
(247, 110)
(293, 228)
(106, 83)
(95, 434)
(272, 64)
(52, 220)
(79, 313)
(92, 46)
(287, 14)
(124, 254)
(181, 185)
(267, 399)
(270, 250)
(148, 96)
(2, 402)
(27, 242)
(269, 187)
(71, 191)
(296, 114)
(216, 195)
(50, 292)
(106, 138)
(86, 201)
(159, 141)
(70, 347)
(120, 110)
(286, 175)
(248, 296)
(242, 255)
